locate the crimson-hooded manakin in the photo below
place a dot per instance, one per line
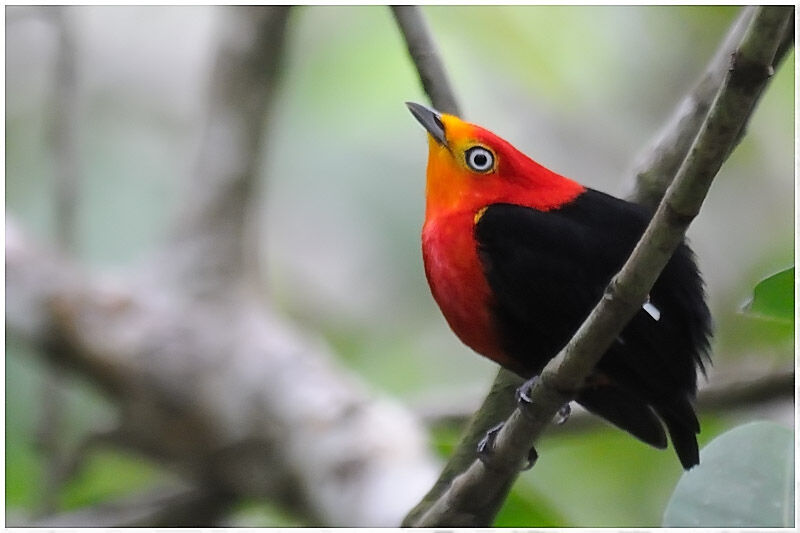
(517, 256)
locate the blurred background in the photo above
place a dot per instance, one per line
(579, 89)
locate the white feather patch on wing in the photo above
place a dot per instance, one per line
(652, 310)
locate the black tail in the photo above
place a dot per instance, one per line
(683, 428)
(626, 411)
(631, 413)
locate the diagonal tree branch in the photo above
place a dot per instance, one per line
(655, 169)
(474, 496)
(499, 403)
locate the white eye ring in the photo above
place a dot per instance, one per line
(479, 159)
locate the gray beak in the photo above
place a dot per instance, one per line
(430, 120)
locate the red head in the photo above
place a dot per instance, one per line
(470, 167)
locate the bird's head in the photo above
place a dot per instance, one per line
(469, 167)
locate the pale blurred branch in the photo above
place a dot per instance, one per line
(65, 133)
(224, 393)
(211, 246)
(64, 137)
(208, 379)
(473, 497)
(658, 163)
(425, 55)
(747, 388)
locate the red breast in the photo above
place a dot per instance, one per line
(457, 282)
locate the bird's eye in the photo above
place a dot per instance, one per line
(479, 159)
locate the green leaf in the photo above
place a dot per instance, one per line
(745, 479)
(773, 297)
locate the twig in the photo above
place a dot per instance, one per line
(741, 391)
(64, 138)
(474, 496)
(425, 55)
(737, 390)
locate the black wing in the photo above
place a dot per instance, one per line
(547, 270)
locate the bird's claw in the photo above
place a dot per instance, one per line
(523, 392)
(486, 448)
(523, 396)
(486, 444)
(562, 415)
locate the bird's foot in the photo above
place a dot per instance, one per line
(523, 394)
(486, 448)
(562, 415)
(486, 444)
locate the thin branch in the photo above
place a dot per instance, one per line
(474, 496)
(65, 133)
(737, 390)
(740, 391)
(425, 55)
(64, 138)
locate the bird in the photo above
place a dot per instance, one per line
(516, 256)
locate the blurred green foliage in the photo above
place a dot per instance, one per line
(580, 89)
(773, 298)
